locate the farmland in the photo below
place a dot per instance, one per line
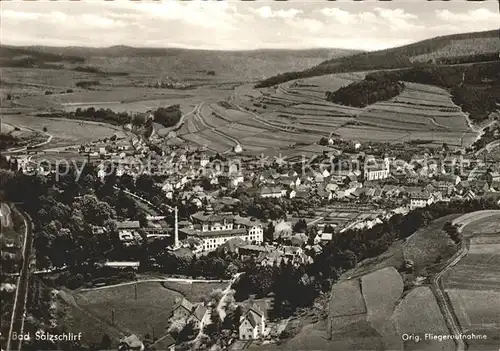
(381, 302)
(261, 121)
(136, 315)
(473, 285)
(194, 291)
(358, 305)
(420, 112)
(64, 130)
(412, 318)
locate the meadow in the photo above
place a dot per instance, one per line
(412, 317)
(473, 285)
(66, 130)
(118, 305)
(380, 303)
(194, 292)
(477, 312)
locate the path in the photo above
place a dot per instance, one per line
(443, 301)
(437, 283)
(225, 294)
(25, 148)
(20, 299)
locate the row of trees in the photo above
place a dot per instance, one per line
(166, 116)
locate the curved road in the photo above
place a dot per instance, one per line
(443, 301)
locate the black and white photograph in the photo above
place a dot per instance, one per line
(250, 175)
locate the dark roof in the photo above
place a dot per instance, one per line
(251, 318)
(191, 232)
(232, 244)
(273, 190)
(211, 217)
(165, 342)
(199, 312)
(184, 303)
(247, 222)
(128, 225)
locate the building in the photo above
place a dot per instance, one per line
(252, 324)
(420, 199)
(376, 169)
(272, 192)
(199, 316)
(188, 312)
(216, 229)
(182, 310)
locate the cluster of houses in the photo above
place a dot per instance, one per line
(252, 324)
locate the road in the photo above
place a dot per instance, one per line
(25, 148)
(147, 202)
(19, 308)
(178, 125)
(156, 280)
(442, 299)
(225, 293)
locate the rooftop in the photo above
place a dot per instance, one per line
(233, 232)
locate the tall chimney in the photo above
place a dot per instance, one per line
(176, 228)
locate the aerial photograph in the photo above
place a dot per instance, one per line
(250, 175)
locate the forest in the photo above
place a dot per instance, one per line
(366, 92)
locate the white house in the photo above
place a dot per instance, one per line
(252, 324)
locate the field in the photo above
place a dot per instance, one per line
(360, 311)
(413, 318)
(420, 112)
(473, 285)
(194, 292)
(477, 312)
(380, 303)
(65, 130)
(346, 299)
(150, 311)
(77, 320)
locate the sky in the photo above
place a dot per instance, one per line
(238, 25)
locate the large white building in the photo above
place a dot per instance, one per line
(215, 229)
(376, 169)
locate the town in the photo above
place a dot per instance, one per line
(189, 212)
(223, 176)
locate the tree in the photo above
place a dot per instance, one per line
(188, 332)
(105, 342)
(300, 226)
(323, 141)
(213, 329)
(269, 232)
(232, 319)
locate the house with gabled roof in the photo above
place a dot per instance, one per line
(252, 323)
(183, 309)
(199, 316)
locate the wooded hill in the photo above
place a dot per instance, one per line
(458, 48)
